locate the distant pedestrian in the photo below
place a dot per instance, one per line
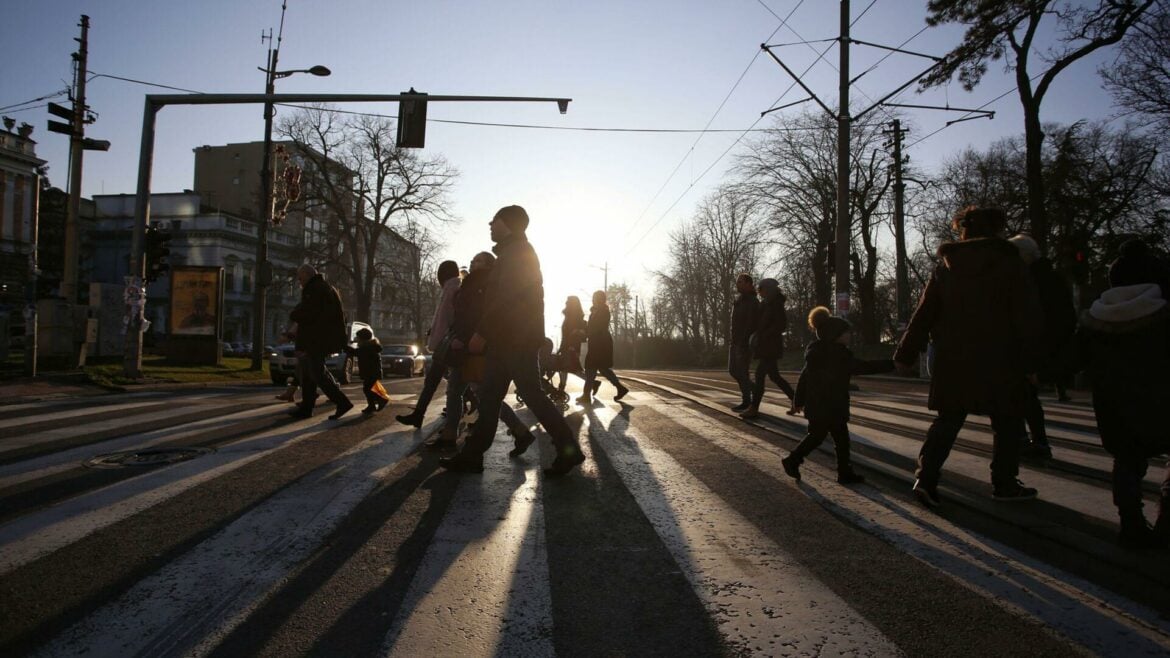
(767, 345)
(465, 370)
(599, 358)
(745, 315)
(980, 307)
(572, 335)
(509, 335)
(822, 392)
(369, 359)
(437, 342)
(1123, 344)
(321, 331)
(1060, 321)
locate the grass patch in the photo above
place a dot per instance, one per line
(156, 369)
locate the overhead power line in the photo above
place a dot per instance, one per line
(62, 92)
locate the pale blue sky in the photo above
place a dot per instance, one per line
(649, 64)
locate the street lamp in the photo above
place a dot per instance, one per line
(263, 267)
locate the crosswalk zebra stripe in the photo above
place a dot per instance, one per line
(761, 598)
(1080, 610)
(44, 531)
(482, 587)
(189, 605)
(7, 426)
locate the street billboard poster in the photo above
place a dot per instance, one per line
(196, 301)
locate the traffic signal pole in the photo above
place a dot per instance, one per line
(135, 295)
(76, 148)
(843, 242)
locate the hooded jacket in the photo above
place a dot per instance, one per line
(513, 318)
(320, 318)
(1123, 344)
(981, 309)
(823, 387)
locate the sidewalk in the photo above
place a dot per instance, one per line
(65, 385)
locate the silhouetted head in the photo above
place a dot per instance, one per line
(599, 298)
(827, 327)
(975, 222)
(484, 260)
(304, 273)
(1136, 264)
(507, 221)
(448, 270)
(364, 334)
(1029, 250)
(745, 284)
(573, 306)
(768, 288)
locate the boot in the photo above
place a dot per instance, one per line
(566, 459)
(849, 476)
(791, 466)
(622, 390)
(1136, 532)
(414, 419)
(742, 406)
(521, 443)
(751, 412)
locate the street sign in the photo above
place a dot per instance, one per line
(63, 128)
(61, 111)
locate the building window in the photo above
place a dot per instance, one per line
(247, 279)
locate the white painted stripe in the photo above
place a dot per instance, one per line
(58, 414)
(191, 604)
(44, 531)
(762, 599)
(482, 587)
(1104, 622)
(58, 462)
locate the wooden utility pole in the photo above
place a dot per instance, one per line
(76, 148)
(901, 272)
(841, 308)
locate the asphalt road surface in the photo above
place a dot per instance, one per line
(209, 522)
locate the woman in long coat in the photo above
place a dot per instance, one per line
(599, 358)
(572, 335)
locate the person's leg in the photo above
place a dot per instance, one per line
(842, 445)
(430, 385)
(496, 379)
(781, 383)
(310, 365)
(1135, 532)
(527, 377)
(372, 398)
(328, 385)
(940, 438)
(738, 362)
(564, 377)
(1008, 434)
(758, 383)
(817, 432)
(1034, 416)
(590, 381)
(456, 389)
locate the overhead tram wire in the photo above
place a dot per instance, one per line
(691, 150)
(46, 97)
(968, 114)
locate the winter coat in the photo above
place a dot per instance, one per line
(369, 358)
(981, 309)
(1060, 318)
(513, 318)
(573, 331)
(600, 354)
(444, 313)
(1123, 344)
(745, 315)
(823, 387)
(770, 326)
(320, 318)
(468, 307)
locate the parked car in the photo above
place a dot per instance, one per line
(402, 360)
(228, 350)
(282, 365)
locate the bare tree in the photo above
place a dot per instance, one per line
(363, 195)
(1009, 28)
(1139, 79)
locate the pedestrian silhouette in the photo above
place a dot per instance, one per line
(509, 335)
(320, 332)
(437, 342)
(368, 353)
(599, 358)
(980, 307)
(573, 332)
(767, 344)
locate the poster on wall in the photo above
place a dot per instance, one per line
(196, 301)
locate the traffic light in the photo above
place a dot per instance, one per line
(412, 121)
(157, 250)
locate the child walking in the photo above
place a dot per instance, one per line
(368, 354)
(822, 392)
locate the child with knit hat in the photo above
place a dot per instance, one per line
(822, 392)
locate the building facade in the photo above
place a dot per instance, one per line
(20, 185)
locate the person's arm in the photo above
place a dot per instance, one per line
(798, 398)
(924, 319)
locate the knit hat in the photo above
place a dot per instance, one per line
(827, 326)
(514, 217)
(1135, 265)
(1029, 250)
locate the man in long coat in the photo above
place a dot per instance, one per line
(981, 309)
(320, 332)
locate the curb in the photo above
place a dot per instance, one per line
(1018, 518)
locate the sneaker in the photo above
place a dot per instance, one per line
(927, 495)
(749, 413)
(413, 419)
(562, 465)
(791, 467)
(521, 444)
(342, 409)
(463, 462)
(742, 406)
(850, 478)
(1013, 491)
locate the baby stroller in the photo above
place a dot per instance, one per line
(549, 364)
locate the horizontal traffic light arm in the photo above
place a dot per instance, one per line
(159, 100)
